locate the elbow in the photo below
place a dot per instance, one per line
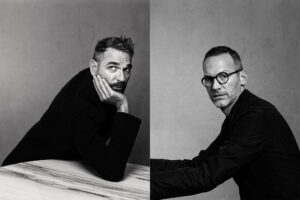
(112, 176)
(110, 173)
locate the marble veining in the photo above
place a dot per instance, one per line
(57, 179)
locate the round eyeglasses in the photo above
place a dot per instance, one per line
(221, 77)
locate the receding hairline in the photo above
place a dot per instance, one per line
(237, 66)
(100, 54)
(237, 62)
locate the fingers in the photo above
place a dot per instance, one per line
(97, 90)
(97, 87)
(108, 95)
(114, 96)
(105, 92)
(105, 87)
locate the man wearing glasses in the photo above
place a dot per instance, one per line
(255, 147)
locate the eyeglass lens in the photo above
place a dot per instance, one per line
(221, 78)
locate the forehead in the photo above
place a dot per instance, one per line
(220, 63)
(114, 55)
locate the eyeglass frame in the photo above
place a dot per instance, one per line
(212, 78)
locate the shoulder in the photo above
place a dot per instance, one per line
(252, 105)
(74, 84)
(251, 113)
(80, 78)
(63, 100)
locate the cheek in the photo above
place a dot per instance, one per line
(106, 75)
(234, 92)
(233, 87)
(127, 77)
(237, 89)
(208, 90)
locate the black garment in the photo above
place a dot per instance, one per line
(256, 147)
(76, 126)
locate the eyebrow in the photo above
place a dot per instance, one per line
(129, 66)
(116, 63)
(113, 63)
(217, 74)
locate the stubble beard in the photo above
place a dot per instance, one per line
(118, 87)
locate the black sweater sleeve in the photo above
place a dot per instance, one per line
(159, 165)
(109, 161)
(249, 138)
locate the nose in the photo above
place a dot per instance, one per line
(121, 76)
(215, 85)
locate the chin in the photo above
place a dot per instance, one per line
(220, 104)
(120, 91)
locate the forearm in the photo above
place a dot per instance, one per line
(164, 165)
(224, 159)
(124, 131)
(110, 161)
(180, 182)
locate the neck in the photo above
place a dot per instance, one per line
(227, 110)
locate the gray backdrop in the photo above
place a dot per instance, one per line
(45, 43)
(265, 33)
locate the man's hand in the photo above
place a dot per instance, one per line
(110, 96)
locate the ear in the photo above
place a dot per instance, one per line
(93, 67)
(243, 78)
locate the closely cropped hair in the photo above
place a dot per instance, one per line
(121, 43)
(215, 51)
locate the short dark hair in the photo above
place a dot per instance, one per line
(218, 50)
(121, 43)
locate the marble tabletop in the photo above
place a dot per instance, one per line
(58, 179)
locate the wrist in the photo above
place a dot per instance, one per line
(123, 106)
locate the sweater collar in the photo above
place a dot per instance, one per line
(242, 99)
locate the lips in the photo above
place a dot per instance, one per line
(218, 96)
(119, 86)
(119, 89)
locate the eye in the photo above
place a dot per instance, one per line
(127, 70)
(112, 68)
(208, 78)
(222, 76)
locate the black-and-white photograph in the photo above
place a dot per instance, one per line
(74, 99)
(225, 99)
(149, 99)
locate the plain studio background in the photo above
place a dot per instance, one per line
(45, 43)
(265, 33)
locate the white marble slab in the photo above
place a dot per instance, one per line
(57, 179)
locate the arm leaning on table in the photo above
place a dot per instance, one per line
(110, 160)
(221, 161)
(159, 165)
